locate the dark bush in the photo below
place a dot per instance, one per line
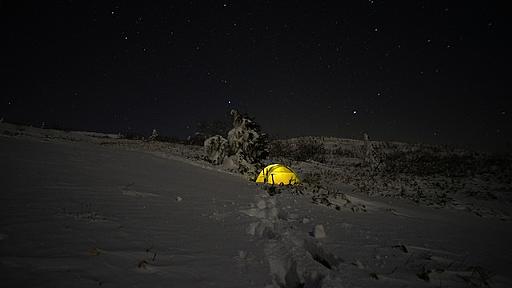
(298, 150)
(309, 151)
(345, 152)
(312, 178)
(451, 165)
(277, 149)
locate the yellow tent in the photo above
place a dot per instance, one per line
(277, 174)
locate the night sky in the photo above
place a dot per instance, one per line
(415, 71)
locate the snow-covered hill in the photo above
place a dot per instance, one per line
(82, 210)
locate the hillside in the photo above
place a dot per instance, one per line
(82, 209)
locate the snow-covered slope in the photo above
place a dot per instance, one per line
(81, 213)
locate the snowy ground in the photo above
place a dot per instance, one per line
(81, 210)
(79, 215)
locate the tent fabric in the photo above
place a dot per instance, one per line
(278, 174)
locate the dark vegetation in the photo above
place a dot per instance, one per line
(301, 150)
(391, 158)
(426, 163)
(427, 174)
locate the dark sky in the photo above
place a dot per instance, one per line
(417, 71)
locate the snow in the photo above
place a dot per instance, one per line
(78, 214)
(85, 210)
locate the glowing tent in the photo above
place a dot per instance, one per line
(277, 174)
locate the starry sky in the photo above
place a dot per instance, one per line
(415, 71)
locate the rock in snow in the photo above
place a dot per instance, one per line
(319, 232)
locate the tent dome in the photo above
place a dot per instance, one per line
(278, 174)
